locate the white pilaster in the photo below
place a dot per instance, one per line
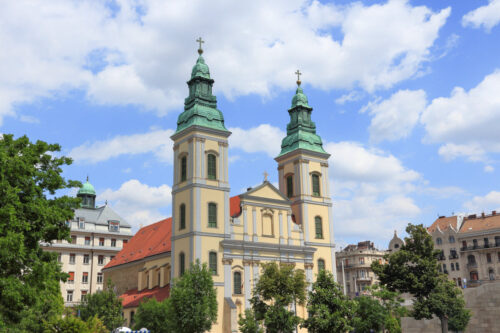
(246, 285)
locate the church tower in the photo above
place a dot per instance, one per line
(303, 178)
(200, 193)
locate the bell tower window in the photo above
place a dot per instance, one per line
(319, 227)
(182, 263)
(183, 168)
(211, 166)
(289, 186)
(315, 185)
(183, 217)
(212, 215)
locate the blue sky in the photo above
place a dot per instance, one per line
(406, 97)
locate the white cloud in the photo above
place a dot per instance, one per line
(139, 203)
(395, 117)
(488, 168)
(350, 97)
(373, 191)
(142, 53)
(490, 201)
(466, 122)
(487, 16)
(263, 138)
(157, 142)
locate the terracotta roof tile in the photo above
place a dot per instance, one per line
(443, 223)
(132, 298)
(148, 241)
(480, 223)
(235, 206)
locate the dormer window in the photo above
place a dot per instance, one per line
(114, 226)
(81, 223)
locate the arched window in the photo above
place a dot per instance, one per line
(471, 260)
(211, 167)
(182, 224)
(182, 263)
(289, 186)
(439, 241)
(451, 239)
(183, 168)
(237, 283)
(321, 265)
(315, 185)
(212, 215)
(319, 227)
(212, 262)
(474, 276)
(491, 274)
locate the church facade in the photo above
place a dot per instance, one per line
(290, 224)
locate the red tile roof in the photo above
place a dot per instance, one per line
(155, 239)
(148, 241)
(475, 223)
(132, 298)
(443, 223)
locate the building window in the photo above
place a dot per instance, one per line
(125, 242)
(237, 283)
(99, 278)
(315, 185)
(72, 257)
(113, 242)
(212, 215)
(471, 260)
(289, 186)
(464, 245)
(84, 295)
(457, 267)
(212, 262)
(319, 227)
(488, 257)
(362, 260)
(182, 263)
(183, 217)
(497, 240)
(69, 296)
(114, 226)
(132, 321)
(100, 260)
(321, 265)
(486, 242)
(81, 223)
(439, 241)
(101, 241)
(183, 168)
(491, 274)
(85, 277)
(73, 239)
(71, 278)
(474, 276)
(474, 244)
(59, 258)
(86, 259)
(159, 279)
(211, 167)
(451, 239)
(87, 240)
(452, 265)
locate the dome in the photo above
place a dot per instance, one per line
(86, 188)
(200, 69)
(300, 99)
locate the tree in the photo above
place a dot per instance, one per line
(193, 301)
(71, 324)
(370, 315)
(278, 288)
(30, 214)
(153, 315)
(105, 305)
(329, 309)
(248, 323)
(414, 269)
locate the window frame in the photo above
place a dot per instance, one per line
(86, 259)
(183, 168)
(237, 286)
(316, 176)
(212, 223)
(182, 263)
(289, 185)
(211, 166)
(212, 262)
(182, 217)
(318, 226)
(323, 264)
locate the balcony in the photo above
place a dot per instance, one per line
(441, 257)
(364, 279)
(479, 247)
(472, 265)
(453, 256)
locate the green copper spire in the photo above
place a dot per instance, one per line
(301, 131)
(200, 107)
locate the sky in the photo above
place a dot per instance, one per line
(406, 97)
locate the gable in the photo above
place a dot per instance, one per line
(265, 191)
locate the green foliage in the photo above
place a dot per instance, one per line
(105, 305)
(413, 269)
(153, 315)
(329, 309)
(30, 175)
(278, 288)
(249, 324)
(370, 315)
(71, 324)
(193, 301)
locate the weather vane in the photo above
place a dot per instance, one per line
(298, 73)
(200, 41)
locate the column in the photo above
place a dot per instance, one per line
(281, 179)
(176, 164)
(246, 237)
(190, 159)
(282, 239)
(297, 177)
(308, 267)
(197, 146)
(289, 227)
(254, 222)
(255, 269)
(203, 171)
(306, 177)
(246, 286)
(227, 277)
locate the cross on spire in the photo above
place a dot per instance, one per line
(265, 176)
(200, 41)
(298, 73)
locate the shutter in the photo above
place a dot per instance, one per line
(71, 276)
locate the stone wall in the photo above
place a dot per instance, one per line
(483, 301)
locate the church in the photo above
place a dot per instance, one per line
(233, 235)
